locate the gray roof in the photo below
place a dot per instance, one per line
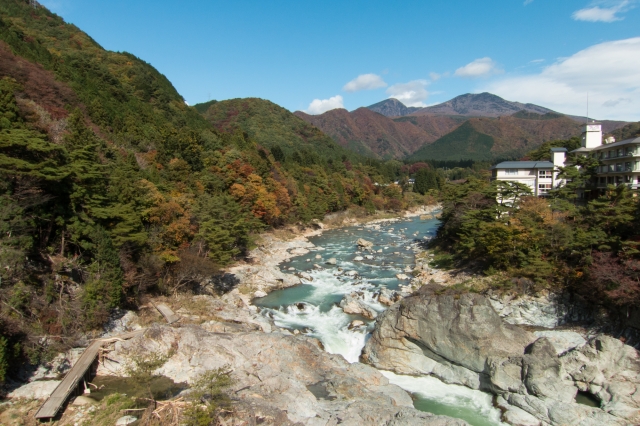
(524, 165)
(609, 145)
(616, 144)
(558, 149)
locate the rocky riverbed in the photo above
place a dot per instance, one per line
(283, 373)
(535, 377)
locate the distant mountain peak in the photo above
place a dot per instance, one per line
(392, 108)
(480, 105)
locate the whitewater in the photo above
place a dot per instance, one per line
(313, 307)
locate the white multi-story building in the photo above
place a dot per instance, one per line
(619, 164)
(540, 176)
(619, 161)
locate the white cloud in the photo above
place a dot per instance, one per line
(481, 67)
(608, 72)
(364, 82)
(411, 94)
(536, 61)
(603, 14)
(526, 2)
(318, 106)
(434, 76)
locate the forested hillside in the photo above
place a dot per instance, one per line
(273, 126)
(113, 188)
(588, 247)
(631, 130)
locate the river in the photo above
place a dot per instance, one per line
(312, 308)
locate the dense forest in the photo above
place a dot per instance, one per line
(113, 188)
(589, 247)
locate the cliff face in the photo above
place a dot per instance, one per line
(462, 340)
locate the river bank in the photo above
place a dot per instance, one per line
(348, 283)
(260, 273)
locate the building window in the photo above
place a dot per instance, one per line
(543, 188)
(603, 180)
(620, 152)
(610, 180)
(511, 172)
(612, 168)
(619, 167)
(627, 179)
(545, 174)
(627, 167)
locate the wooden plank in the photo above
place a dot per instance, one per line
(63, 391)
(167, 313)
(59, 396)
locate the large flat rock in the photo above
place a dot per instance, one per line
(288, 376)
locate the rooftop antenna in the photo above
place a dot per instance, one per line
(587, 107)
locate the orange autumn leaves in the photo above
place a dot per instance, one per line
(267, 198)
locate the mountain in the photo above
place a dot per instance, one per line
(392, 108)
(486, 139)
(389, 129)
(369, 133)
(480, 105)
(271, 125)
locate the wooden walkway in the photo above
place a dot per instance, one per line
(69, 385)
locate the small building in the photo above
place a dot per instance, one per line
(540, 176)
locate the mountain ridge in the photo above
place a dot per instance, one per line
(392, 107)
(480, 105)
(392, 130)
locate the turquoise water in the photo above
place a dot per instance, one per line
(313, 307)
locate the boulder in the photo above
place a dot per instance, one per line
(356, 324)
(126, 420)
(361, 242)
(353, 304)
(287, 377)
(35, 390)
(358, 259)
(305, 276)
(331, 261)
(461, 339)
(562, 341)
(387, 297)
(83, 400)
(402, 276)
(259, 293)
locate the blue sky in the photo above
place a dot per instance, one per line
(308, 55)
